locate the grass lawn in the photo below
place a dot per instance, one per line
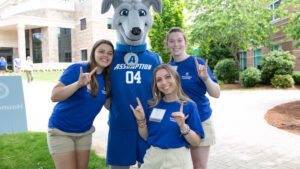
(29, 151)
(44, 76)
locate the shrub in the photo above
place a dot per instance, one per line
(282, 81)
(250, 77)
(296, 78)
(226, 70)
(276, 62)
(220, 82)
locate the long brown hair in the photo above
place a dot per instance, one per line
(158, 95)
(92, 64)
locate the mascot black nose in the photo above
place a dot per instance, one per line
(136, 31)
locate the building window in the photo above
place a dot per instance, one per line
(273, 7)
(64, 45)
(82, 24)
(276, 47)
(109, 23)
(243, 60)
(27, 41)
(84, 55)
(257, 58)
(68, 56)
(37, 46)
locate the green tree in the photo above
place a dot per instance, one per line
(228, 66)
(291, 8)
(276, 63)
(235, 24)
(172, 15)
(214, 54)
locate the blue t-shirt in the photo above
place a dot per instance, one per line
(166, 133)
(131, 77)
(77, 113)
(3, 63)
(193, 86)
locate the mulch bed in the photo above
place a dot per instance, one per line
(285, 116)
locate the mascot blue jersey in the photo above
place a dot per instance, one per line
(131, 76)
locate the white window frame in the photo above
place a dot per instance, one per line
(272, 7)
(243, 60)
(257, 63)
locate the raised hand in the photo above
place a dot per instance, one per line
(85, 78)
(179, 116)
(202, 70)
(138, 111)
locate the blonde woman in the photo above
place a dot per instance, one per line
(171, 124)
(197, 80)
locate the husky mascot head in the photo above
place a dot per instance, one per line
(132, 18)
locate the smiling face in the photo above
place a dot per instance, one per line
(176, 43)
(132, 20)
(103, 55)
(166, 84)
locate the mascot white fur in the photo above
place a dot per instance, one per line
(131, 77)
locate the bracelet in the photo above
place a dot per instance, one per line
(186, 131)
(141, 119)
(141, 123)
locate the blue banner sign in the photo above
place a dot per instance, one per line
(12, 106)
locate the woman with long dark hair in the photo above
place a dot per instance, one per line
(81, 92)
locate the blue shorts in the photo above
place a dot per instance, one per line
(125, 147)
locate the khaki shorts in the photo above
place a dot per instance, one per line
(209, 132)
(173, 158)
(61, 142)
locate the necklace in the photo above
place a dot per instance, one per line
(171, 100)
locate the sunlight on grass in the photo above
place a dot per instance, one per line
(44, 76)
(29, 150)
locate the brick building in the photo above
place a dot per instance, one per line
(53, 32)
(253, 57)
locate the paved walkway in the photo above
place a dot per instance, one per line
(244, 139)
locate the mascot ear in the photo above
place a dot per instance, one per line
(107, 3)
(156, 4)
(105, 6)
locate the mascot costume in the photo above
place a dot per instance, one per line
(131, 77)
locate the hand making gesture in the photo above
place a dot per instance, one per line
(202, 70)
(179, 116)
(85, 78)
(138, 111)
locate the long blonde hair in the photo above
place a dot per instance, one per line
(158, 95)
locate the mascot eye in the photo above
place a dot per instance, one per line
(124, 12)
(142, 12)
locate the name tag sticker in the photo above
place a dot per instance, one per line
(157, 115)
